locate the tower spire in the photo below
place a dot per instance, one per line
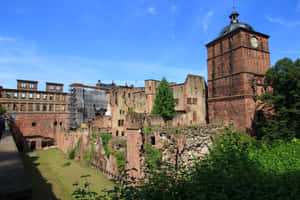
(234, 15)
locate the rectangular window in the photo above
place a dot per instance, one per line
(37, 106)
(44, 96)
(22, 107)
(14, 107)
(31, 86)
(44, 107)
(15, 95)
(51, 87)
(30, 95)
(51, 97)
(189, 100)
(30, 107)
(58, 88)
(23, 85)
(121, 122)
(23, 95)
(38, 96)
(50, 107)
(7, 94)
(194, 100)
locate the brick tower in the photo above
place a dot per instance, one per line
(236, 61)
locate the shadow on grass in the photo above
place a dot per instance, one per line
(41, 188)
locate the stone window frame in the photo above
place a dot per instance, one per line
(44, 107)
(30, 107)
(45, 96)
(31, 86)
(51, 87)
(30, 96)
(58, 88)
(33, 124)
(38, 96)
(15, 107)
(37, 107)
(16, 95)
(51, 97)
(176, 101)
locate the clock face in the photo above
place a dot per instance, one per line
(254, 43)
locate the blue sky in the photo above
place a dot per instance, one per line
(128, 40)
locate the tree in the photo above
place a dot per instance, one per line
(164, 104)
(284, 121)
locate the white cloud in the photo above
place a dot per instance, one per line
(206, 20)
(151, 10)
(7, 39)
(283, 22)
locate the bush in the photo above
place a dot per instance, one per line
(238, 167)
(153, 157)
(105, 141)
(120, 160)
(72, 153)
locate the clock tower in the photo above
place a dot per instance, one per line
(237, 61)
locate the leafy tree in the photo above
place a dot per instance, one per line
(164, 103)
(284, 120)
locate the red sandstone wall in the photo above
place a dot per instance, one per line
(44, 124)
(134, 142)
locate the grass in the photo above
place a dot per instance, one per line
(52, 178)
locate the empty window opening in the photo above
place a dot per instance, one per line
(51, 97)
(32, 145)
(58, 88)
(33, 124)
(23, 95)
(30, 95)
(7, 94)
(51, 87)
(44, 108)
(31, 86)
(123, 133)
(153, 140)
(38, 96)
(55, 123)
(44, 96)
(14, 107)
(60, 123)
(117, 133)
(23, 85)
(15, 95)
(50, 107)
(37, 106)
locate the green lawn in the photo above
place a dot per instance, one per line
(51, 179)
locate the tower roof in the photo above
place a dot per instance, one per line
(235, 24)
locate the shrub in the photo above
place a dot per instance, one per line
(153, 157)
(105, 141)
(72, 153)
(120, 160)
(148, 130)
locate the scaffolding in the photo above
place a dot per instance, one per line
(85, 102)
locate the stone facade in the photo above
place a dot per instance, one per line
(236, 63)
(190, 102)
(37, 115)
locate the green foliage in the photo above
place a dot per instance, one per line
(164, 103)
(120, 160)
(66, 164)
(82, 191)
(284, 123)
(238, 167)
(105, 141)
(148, 130)
(193, 127)
(131, 110)
(79, 129)
(2, 110)
(88, 156)
(72, 153)
(153, 157)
